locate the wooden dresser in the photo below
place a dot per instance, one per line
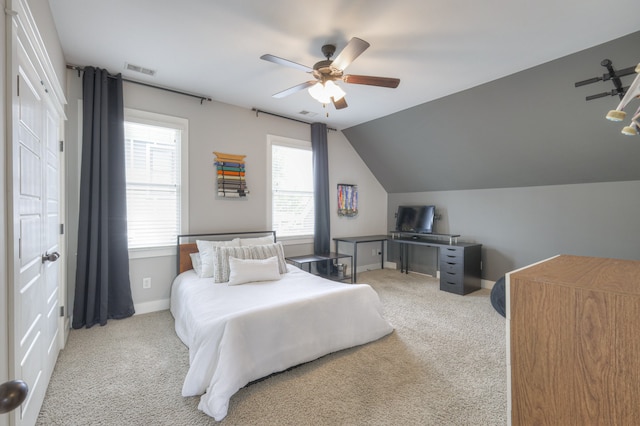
(573, 342)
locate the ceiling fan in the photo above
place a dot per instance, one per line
(327, 71)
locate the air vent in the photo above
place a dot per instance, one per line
(141, 70)
(308, 113)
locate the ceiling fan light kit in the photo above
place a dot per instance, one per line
(326, 93)
(327, 72)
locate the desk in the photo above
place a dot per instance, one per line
(460, 264)
(357, 240)
(308, 259)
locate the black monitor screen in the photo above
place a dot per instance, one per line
(417, 219)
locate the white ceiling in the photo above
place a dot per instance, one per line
(435, 47)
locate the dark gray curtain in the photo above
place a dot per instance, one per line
(103, 289)
(322, 229)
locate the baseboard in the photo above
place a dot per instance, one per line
(154, 306)
(365, 268)
(487, 284)
(483, 283)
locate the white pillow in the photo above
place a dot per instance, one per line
(196, 263)
(205, 248)
(222, 254)
(243, 271)
(258, 241)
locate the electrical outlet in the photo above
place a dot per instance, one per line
(146, 282)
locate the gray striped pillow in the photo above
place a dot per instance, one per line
(221, 258)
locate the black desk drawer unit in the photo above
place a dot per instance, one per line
(460, 268)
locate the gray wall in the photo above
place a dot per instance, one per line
(520, 226)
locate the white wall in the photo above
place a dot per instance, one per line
(520, 226)
(214, 126)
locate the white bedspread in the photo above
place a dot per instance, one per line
(237, 334)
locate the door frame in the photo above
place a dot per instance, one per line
(4, 276)
(19, 24)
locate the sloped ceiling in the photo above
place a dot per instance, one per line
(479, 104)
(435, 47)
(527, 129)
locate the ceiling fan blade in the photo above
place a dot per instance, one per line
(286, 63)
(340, 103)
(351, 51)
(371, 80)
(294, 89)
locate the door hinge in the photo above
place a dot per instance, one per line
(18, 85)
(61, 311)
(62, 229)
(61, 146)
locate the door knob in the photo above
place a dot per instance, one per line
(50, 257)
(12, 394)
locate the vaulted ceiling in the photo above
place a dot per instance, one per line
(531, 128)
(486, 98)
(436, 48)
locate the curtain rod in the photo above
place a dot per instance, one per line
(259, 111)
(202, 98)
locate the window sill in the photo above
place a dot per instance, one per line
(291, 241)
(147, 252)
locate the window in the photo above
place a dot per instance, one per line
(156, 178)
(291, 187)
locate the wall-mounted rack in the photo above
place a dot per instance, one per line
(612, 75)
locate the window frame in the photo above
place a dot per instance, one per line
(292, 143)
(182, 124)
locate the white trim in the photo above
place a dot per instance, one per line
(182, 124)
(487, 284)
(390, 265)
(27, 23)
(143, 253)
(365, 268)
(153, 306)
(293, 143)
(292, 241)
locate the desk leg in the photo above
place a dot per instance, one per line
(406, 258)
(353, 279)
(355, 262)
(382, 254)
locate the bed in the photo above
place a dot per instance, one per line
(255, 324)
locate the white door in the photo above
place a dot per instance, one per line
(52, 238)
(35, 198)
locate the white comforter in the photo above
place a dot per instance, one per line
(237, 334)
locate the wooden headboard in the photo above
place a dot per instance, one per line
(187, 245)
(184, 260)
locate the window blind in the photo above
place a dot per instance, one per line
(292, 190)
(152, 155)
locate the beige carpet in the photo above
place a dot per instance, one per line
(443, 365)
